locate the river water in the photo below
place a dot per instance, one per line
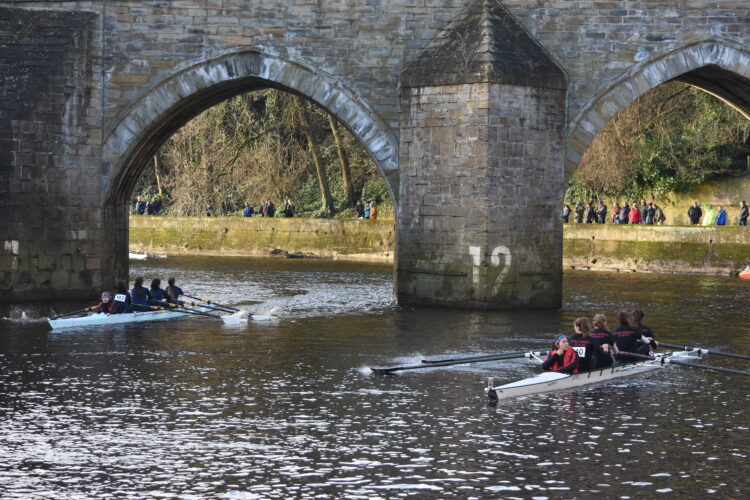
(288, 408)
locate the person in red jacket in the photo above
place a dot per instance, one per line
(635, 215)
(105, 306)
(562, 358)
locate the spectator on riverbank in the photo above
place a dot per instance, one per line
(709, 217)
(743, 214)
(635, 214)
(590, 213)
(644, 211)
(721, 217)
(359, 209)
(625, 213)
(367, 211)
(579, 212)
(659, 217)
(650, 214)
(565, 213)
(694, 214)
(248, 212)
(373, 211)
(601, 213)
(140, 206)
(288, 209)
(616, 213)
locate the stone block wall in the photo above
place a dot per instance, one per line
(50, 237)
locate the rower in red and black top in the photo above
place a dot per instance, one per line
(605, 345)
(583, 344)
(105, 305)
(637, 318)
(627, 339)
(562, 357)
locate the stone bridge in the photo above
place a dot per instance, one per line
(474, 111)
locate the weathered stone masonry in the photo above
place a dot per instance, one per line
(89, 89)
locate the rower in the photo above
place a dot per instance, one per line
(648, 334)
(173, 291)
(562, 357)
(105, 305)
(140, 296)
(602, 338)
(626, 338)
(121, 301)
(157, 293)
(583, 344)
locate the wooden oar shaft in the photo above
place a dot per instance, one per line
(211, 302)
(177, 308)
(209, 307)
(447, 363)
(472, 358)
(709, 367)
(85, 309)
(709, 351)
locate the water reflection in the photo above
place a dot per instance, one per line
(290, 409)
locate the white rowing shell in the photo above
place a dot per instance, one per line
(555, 381)
(98, 319)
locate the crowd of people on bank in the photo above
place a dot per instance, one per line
(648, 213)
(140, 298)
(367, 210)
(143, 207)
(594, 346)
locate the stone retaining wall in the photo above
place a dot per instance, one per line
(669, 249)
(338, 239)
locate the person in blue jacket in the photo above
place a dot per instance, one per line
(721, 217)
(121, 300)
(173, 291)
(158, 294)
(140, 296)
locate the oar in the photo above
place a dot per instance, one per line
(85, 309)
(709, 351)
(472, 358)
(708, 367)
(222, 309)
(184, 309)
(463, 361)
(210, 302)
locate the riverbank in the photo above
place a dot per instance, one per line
(660, 249)
(359, 240)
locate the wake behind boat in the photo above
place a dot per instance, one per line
(556, 381)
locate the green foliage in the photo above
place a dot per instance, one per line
(251, 148)
(670, 139)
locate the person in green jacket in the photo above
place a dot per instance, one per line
(709, 216)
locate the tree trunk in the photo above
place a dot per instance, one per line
(344, 161)
(157, 175)
(304, 124)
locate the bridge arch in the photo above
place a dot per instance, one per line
(717, 66)
(135, 135)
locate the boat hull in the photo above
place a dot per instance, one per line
(555, 381)
(101, 319)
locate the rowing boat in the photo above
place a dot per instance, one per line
(101, 319)
(556, 381)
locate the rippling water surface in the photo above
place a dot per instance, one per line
(288, 408)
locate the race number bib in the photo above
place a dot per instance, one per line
(120, 297)
(581, 351)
